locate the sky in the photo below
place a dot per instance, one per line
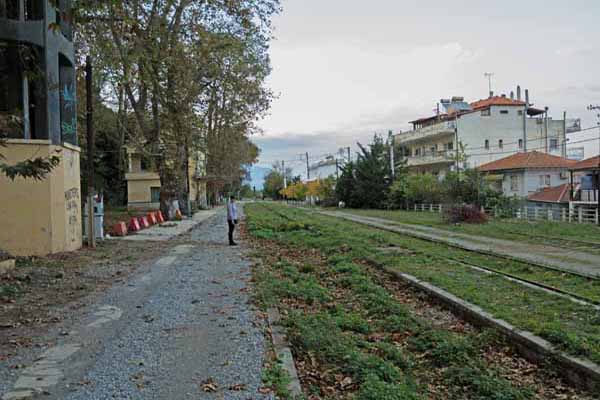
(346, 69)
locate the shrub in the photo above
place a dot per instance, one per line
(466, 213)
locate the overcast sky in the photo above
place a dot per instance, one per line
(344, 69)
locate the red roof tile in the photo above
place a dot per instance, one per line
(589, 164)
(556, 194)
(532, 159)
(496, 101)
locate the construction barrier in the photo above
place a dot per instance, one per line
(143, 222)
(178, 215)
(119, 229)
(159, 217)
(134, 225)
(152, 219)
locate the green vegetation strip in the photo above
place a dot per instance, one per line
(340, 316)
(572, 327)
(583, 237)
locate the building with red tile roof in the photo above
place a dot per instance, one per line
(556, 194)
(532, 159)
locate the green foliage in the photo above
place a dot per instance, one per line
(376, 389)
(36, 168)
(277, 379)
(366, 182)
(423, 188)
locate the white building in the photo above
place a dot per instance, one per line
(324, 169)
(486, 130)
(523, 174)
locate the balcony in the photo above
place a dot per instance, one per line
(434, 131)
(430, 158)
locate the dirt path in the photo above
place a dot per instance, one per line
(559, 258)
(180, 328)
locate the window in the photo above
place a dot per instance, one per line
(417, 152)
(486, 113)
(520, 112)
(155, 194)
(433, 149)
(520, 143)
(545, 180)
(505, 112)
(514, 183)
(487, 144)
(450, 146)
(500, 144)
(554, 144)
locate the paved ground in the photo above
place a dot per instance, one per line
(178, 329)
(555, 257)
(170, 229)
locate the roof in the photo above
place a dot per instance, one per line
(496, 101)
(587, 164)
(555, 194)
(532, 159)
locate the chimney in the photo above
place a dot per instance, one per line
(519, 93)
(503, 96)
(491, 94)
(527, 97)
(512, 95)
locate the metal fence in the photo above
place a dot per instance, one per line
(577, 214)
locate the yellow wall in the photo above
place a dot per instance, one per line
(139, 190)
(41, 217)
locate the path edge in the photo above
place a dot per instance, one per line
(283, 352)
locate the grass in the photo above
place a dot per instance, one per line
(367, 344)
(573, 327)
(496, 228)
(276, 378)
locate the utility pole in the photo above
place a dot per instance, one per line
(349, 157)
(564, 141)
(597, 108)
(337, 169)
(392, 162)
(525, 120)
(284, 174)
(307, 168)
(90, 150)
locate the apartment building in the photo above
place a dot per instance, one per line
(467, 135)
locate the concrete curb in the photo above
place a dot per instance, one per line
(6, 266)
(579, 372)
(284, 354)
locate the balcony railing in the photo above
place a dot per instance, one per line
(436, 157)
(442, 128)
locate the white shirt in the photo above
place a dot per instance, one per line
(231, 211)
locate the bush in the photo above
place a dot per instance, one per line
(466, 213)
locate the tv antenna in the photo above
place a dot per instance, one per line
(489, 76)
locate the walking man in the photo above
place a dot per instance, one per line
(231, 219)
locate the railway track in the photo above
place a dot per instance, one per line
(490, 270)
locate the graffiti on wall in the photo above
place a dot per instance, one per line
(73, 212)
(68, 97)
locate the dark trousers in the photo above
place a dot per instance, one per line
(231, 229)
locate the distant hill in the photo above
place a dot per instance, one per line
(257, 176)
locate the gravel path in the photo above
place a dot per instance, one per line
(181, 329)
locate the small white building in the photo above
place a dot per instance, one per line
(324, 169)
(487, 130)
(523, 174)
